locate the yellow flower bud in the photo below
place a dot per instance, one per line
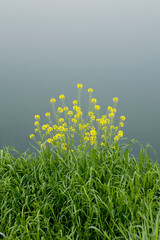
(61, 96)
(79, 86)
(90, 90)
(47, 114)
(52, 100)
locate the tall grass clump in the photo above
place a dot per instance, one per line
(79, 187)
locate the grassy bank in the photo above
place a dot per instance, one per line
(81, 185)
(104, 194)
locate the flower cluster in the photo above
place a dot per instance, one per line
(71, 129)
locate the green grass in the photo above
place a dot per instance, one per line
(105, 194)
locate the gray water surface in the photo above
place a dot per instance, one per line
(47, 47)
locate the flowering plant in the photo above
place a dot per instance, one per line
(70, 125)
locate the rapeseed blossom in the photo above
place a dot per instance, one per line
(65, 108)
(31, 136)
(111, 115)
(90, 90)
(44, 127)
(121, 124)
(36, 123)
(97, 107)
(93, 100)
(61, 120)
(115, 99)
(79, 86)
(52, 100)
(72, 125)
(70, 113)
(60, 110)
(48, 114)
(37, 117)
(61, 96)
(123, 118)
(75, 102)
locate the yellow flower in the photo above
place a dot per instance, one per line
(70, 113)
(57, 136)
(31, 136)
(116, 138)
(93, 132)
(64, 125)
(77, 115)
(120, 133)
(52, 100)
(116, 128)
(61, 129)
(72, 129)
(36, 129)
(102, 136)
(36, 123)
(37, 117)
(44, 127)
(75, 102)
(97, 107)
(55, 127)
(65, 108)
(114, 110)
(86, 138)
(113, 147)
(87, 134)
(103, 121)
(48, 114)
(79, 86)
(115, 99)
(92, 117)
(61, 120)
(93, 140)
(74, 120)
(61, 96)
(110, 108)
(123, 118)
(78, 109)
(50, 140)
(90, 90)
(111, 115)
(121, 124)
(90, 113)
(43, 145)
(60, 110)
(93, 100)
(50, 129)
(102, 144)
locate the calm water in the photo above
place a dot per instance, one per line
(47, 47)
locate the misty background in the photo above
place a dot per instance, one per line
(47, 47)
